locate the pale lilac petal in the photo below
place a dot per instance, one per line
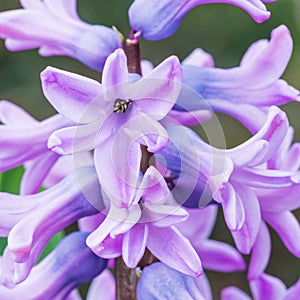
(260, 254)
(71, 94)
(74, 295)
(245, 237)
(203, 285)
(234, 212)
(193, 118)
(13, 115)
(267, 287)
(110, 248)
(199, 58)
(156, 93)
(36, 172)
(75, 139)
(23, 143)
(65, 165)
(64, 9)
(260, 178)
(146, 66)
(118, 166)
(133, 216)
(146, 131)
(153, 188)
(200, 223)
(287, 227)
(278, 200)
(163, 215)
(134, 245)
(219, 257)
(273, 131)
(293, 292)
(114, 218)
(115, 71)
(102, 287)
(233, 293)
(91, 223)
(174, 250)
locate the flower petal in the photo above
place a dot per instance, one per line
(260, 254)
(118, 166)
(156, 93)
(267, 286)
(280, 221)
(134, 245)
(245, 237)
(220, 257)
(71, 94)
(174, 250)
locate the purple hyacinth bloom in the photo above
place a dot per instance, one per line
(158, 19)
(114, 118)
(30, 221)
(237, 177)
(23, 140)
(158, 281)
(54, 27)
(244, 92)
(215, 255)
(70, 264)
(276, 206)
(264, 287)
(147, 220)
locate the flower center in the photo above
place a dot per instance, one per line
(121, 105)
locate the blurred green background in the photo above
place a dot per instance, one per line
(222, 30)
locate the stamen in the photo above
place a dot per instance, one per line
(121, 105)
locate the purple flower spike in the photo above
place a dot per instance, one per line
(158, 19)
(55, 28)
(69, 265)
(158, 281)
(56, 208)
(245, 92)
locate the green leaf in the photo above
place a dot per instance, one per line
(10, 180)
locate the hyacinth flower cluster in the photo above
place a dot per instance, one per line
(121, 161)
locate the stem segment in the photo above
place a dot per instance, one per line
(126, 278)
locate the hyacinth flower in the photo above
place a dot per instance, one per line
(30, 221)
(235, 174)
(245, 92)
(114, 117)
(160, 19)
(276, 207)
(264, 287)
(59, 273)
(159, 281)
(146, 222)
(24, 140)
(55, 28)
